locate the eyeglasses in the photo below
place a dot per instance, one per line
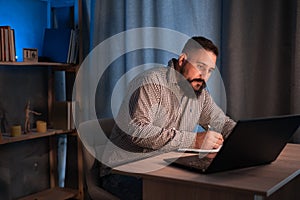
(203, 68)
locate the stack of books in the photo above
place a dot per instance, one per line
(7, 44)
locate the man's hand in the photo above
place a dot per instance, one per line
(208, 140)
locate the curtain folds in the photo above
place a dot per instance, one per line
(105, 19)
(295, 87)
(260, 57)
(259, 42)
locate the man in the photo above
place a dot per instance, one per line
(164, 105)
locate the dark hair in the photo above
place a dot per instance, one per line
(198, 42)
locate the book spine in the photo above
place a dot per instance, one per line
(6, 44)
(2, 45)
(12, 45)
(70, 48)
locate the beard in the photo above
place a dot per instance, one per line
(188, 88)
(203, 85)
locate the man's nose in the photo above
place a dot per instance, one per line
(204, 74)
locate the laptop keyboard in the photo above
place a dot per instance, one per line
(200, 163)
(194, 162)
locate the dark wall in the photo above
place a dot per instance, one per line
(24, 168)
(18, 85)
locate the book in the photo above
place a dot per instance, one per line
(2, 44)
(56, 45)
(12, 45)
(70, 47)
(73, 47)
(7, 44)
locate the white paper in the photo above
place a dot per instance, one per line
(189, 150)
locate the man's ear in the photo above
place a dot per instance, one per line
(182, 59)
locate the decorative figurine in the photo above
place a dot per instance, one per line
(27, 117)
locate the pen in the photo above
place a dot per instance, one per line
(209, 128)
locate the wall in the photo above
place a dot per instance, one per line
(28, 18)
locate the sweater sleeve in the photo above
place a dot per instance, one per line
(213, 115)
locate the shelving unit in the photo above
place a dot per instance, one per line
(53, 192)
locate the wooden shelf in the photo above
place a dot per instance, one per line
(73, 131)
(33, 135)
(36, 64)
(53, 65)
(28, 136)
(53, 193)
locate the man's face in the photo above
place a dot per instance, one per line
(197, 67)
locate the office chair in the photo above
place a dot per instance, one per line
(92, 190)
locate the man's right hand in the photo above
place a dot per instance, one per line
(208, 140)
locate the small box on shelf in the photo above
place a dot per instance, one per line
(30, 55)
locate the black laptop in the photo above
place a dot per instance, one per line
(251, 143)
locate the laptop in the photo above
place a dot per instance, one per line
(251, 143)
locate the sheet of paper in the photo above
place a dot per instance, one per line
(188, 150)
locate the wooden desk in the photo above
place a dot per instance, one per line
(278, 180)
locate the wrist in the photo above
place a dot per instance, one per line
(199, 139)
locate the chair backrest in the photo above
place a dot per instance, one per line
(91, 166)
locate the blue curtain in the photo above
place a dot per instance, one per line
(104, 19)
